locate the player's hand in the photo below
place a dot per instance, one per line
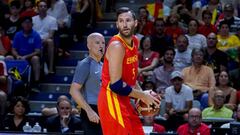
(149, 99)
(93, 116)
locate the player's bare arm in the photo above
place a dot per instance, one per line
(115, 54)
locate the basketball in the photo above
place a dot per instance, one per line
(144, 110)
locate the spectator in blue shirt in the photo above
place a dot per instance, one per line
(27, 46)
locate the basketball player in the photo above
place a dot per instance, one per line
(117, 116)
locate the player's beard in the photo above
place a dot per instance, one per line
(127, 35)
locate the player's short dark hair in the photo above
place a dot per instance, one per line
(124, 10)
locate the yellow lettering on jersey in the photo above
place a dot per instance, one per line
(132, 59)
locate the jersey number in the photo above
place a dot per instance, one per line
(134, 73)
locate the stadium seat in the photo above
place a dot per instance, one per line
(24, 70)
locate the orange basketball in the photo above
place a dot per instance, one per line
(144, 110)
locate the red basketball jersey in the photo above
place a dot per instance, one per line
(129, 66)
(117, 115)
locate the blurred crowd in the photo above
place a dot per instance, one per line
(189, 54)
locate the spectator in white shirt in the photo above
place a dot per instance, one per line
(46, 25)
(179, 99)
(195, 39)
(59, 11)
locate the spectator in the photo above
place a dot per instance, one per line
(195, 40)
(215, 58)
(237, 118)
(218, 109)
(19, 107)
(160, 41)
(232, 21)
(148, 85)
(238, 114)
(184, 9)
(234, 4)
(53, 111)
(215, 7)
(223, 84)
(226, 41)
(86, 84)
(173, 28)
(95, 8)
(161, 75)
(182, 58)
(70, 4)
(3, 95)
(148, 59)
(81, 16)
(27, 46)
(169, 3)
(5, 43)
(196, 9)
(3, 76)
(234, 75)
(199, 77)
(4, 10)
(28, 9)
(58, 10)
(207, 27)
(46, 26)
(13, 24)
(3, 100)
(145, 25)
(179, 99)
(22, 3)
(187, 5)
(149, 121)
(64, 121)
(194, 125)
